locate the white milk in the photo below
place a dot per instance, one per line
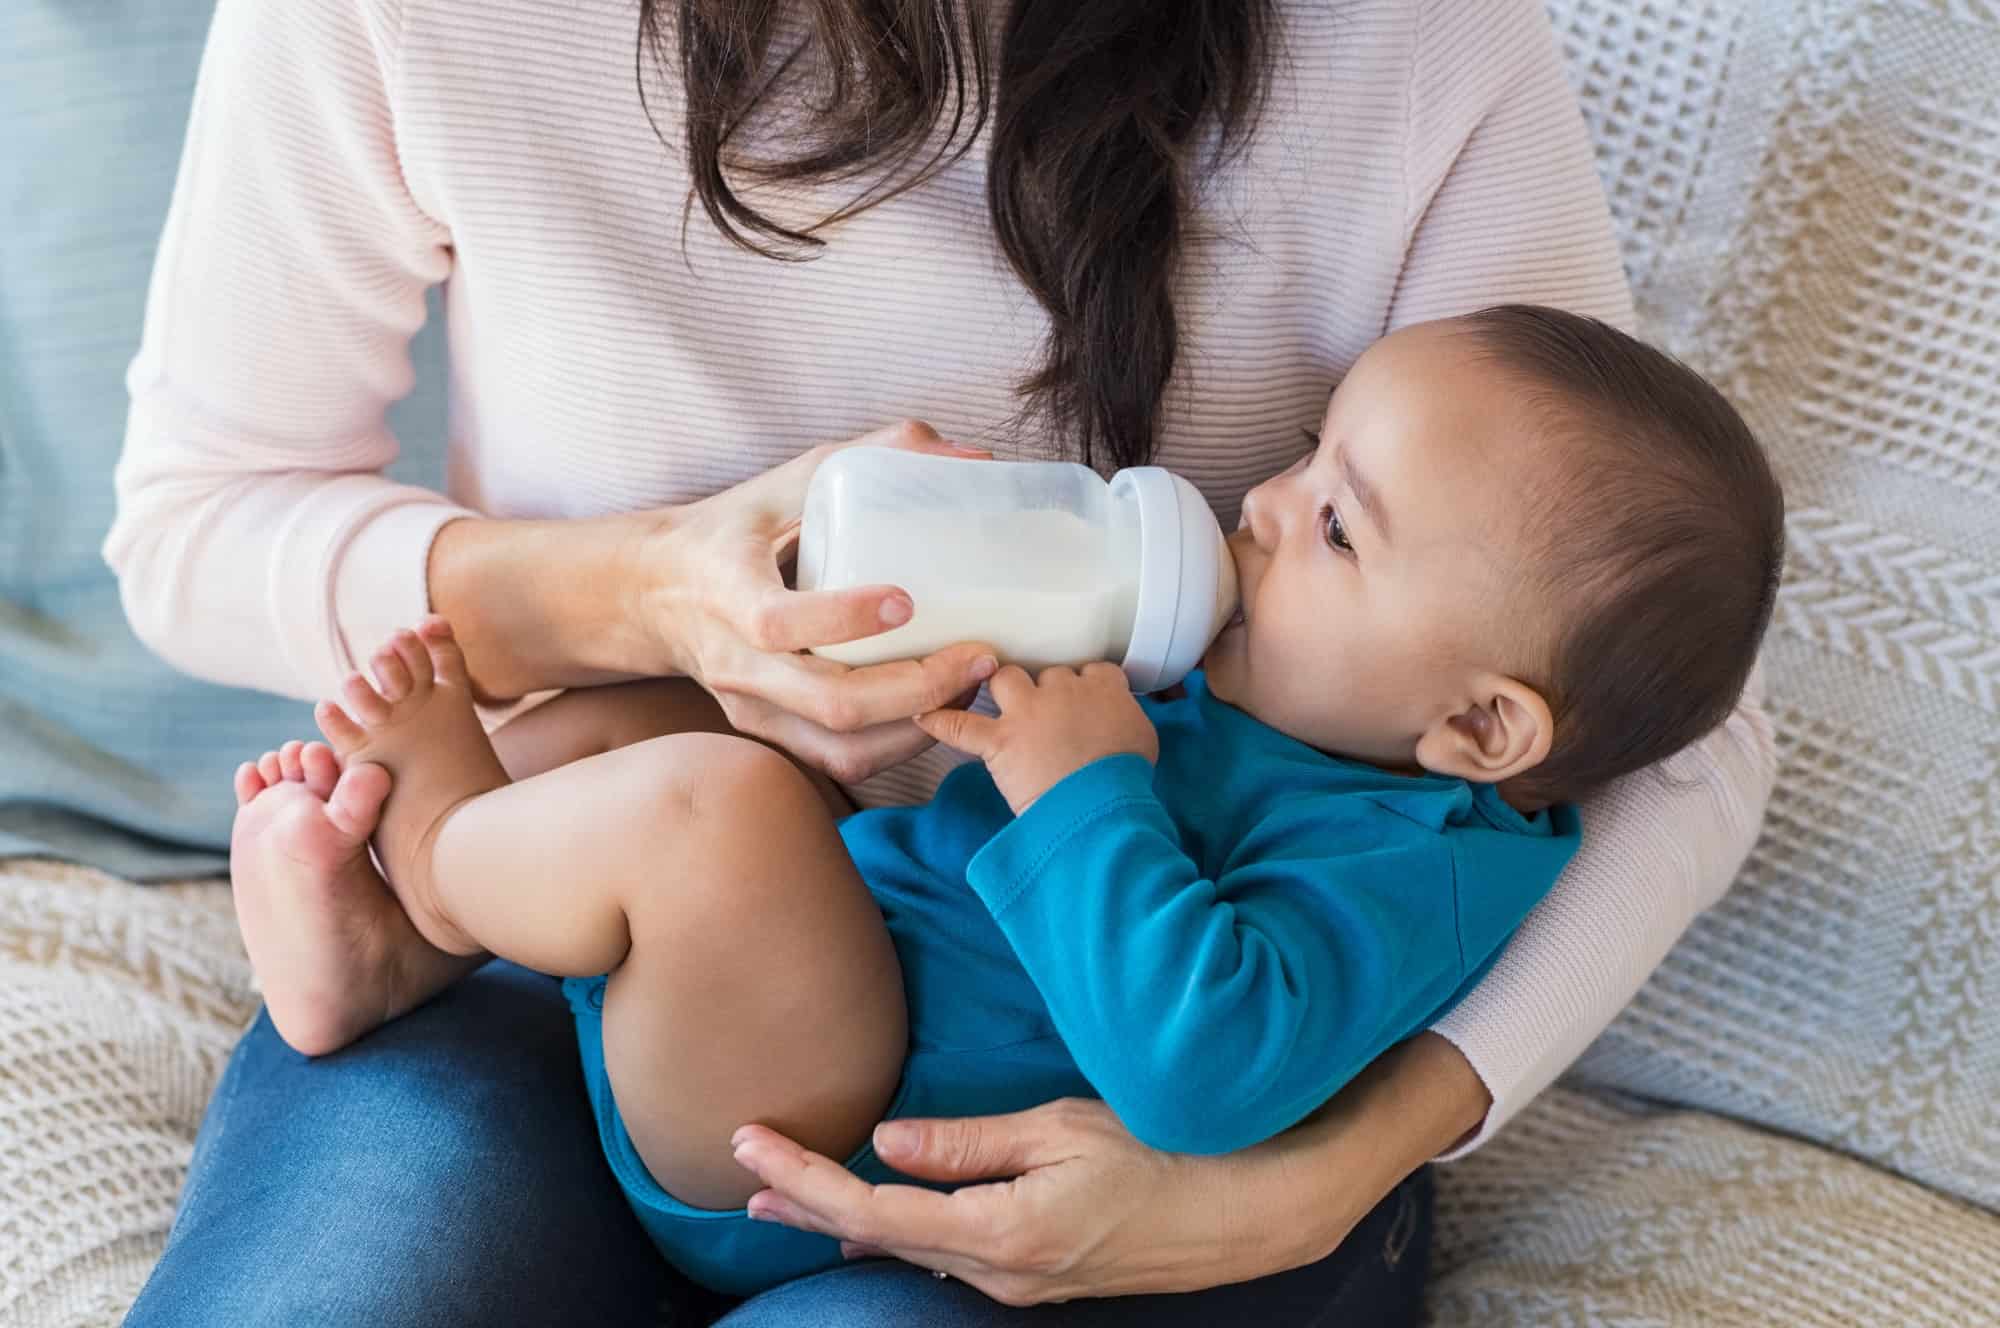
(1043, 586)
(1046, 561)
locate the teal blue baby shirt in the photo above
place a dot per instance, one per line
(1213, 946)
(1225, 939)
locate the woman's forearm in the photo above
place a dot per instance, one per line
(1309, 1186)
(539, 604)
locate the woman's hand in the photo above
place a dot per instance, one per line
(1093, 1212)
(706, 586)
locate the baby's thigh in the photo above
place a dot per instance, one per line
(584, 721)
(761, 985)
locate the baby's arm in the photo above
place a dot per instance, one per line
(1213, 1014)
(1210, 1015)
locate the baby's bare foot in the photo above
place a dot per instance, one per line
(420, 726)
(333, 950)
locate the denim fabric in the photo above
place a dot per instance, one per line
(445, 1170)
(1374, 1280)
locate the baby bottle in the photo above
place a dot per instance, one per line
(1043, 559)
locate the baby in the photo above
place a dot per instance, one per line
(1527, 555)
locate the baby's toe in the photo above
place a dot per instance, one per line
(356, 804)
(341, 731)
(288, 761)
(248, 782)
(363, 702)
(321, 767)
(415, 658)
(446, 657)
(392, 675)
(268, 767)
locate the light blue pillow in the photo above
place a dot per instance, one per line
(108, 756)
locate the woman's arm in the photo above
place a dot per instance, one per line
(256, 541)
(1095, 1213)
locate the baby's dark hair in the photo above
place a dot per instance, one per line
(1656, 540)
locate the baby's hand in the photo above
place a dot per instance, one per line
(1049, 727)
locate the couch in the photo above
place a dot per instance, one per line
(1797, 1121)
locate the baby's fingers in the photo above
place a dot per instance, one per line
(962, 730)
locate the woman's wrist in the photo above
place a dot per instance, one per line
(1318, 1179)
(540, 604)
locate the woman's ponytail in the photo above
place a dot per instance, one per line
(1102, 107)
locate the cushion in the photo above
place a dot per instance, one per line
(1603, 1211)
(1809, 200)
(119, 1005)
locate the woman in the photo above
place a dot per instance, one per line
(1110, 266)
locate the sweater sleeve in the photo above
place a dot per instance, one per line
(1213, 1014)
(256, 541)
(1504, 204)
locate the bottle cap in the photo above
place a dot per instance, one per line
(1187, 578)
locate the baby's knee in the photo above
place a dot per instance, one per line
(726, 777)
(701, 778)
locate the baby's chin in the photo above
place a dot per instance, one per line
(1221, 668)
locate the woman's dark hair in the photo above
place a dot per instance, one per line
(1657, 541)
(1100, 107)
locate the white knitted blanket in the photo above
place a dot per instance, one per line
(1809, 195)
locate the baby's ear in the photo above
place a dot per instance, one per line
(1504, 729)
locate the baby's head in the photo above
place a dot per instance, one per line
(1528, 550)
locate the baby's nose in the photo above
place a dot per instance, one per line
(1256, 516)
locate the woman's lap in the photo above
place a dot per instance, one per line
(442, 1170)
(1376, 1278)
(446, 1170)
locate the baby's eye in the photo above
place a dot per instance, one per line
(1336, 534)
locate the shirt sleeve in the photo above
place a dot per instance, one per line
(1504, 204)
(256, 541)
(1211, 1015)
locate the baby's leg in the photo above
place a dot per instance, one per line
(333, 950)
(585, 721)
(752, 977)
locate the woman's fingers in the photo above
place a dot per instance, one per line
(1078, 1216)
(782, 489)
(781, 621)
(844, 700)
(846, 758)
(974, 1147)
(913, 436)
(815, 1193)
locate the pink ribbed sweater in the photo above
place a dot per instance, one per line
(1415, 160)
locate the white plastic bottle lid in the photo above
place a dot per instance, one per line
(1187, 578)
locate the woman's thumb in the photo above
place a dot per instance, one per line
(959, 1148)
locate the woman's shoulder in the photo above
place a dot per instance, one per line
(1465, 57)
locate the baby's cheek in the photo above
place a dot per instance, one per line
(1378, 690)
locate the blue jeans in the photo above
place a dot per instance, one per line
(445, 1170)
